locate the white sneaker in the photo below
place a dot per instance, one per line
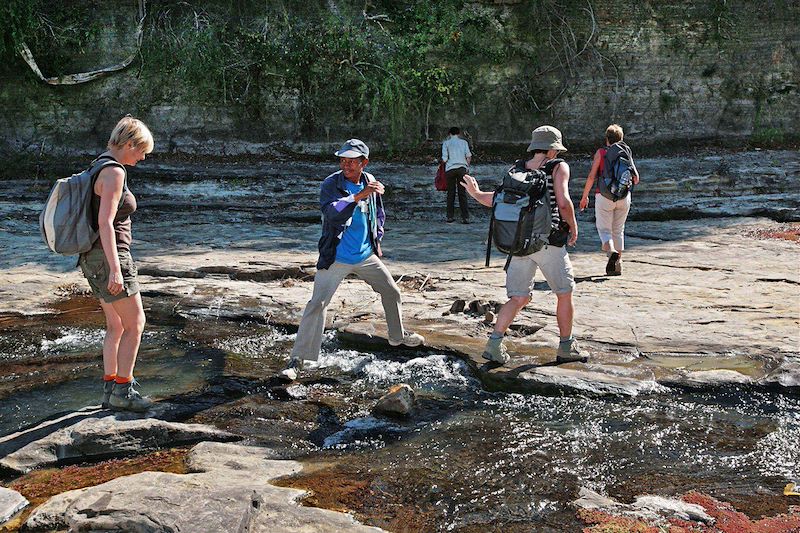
(409, 339)
(290, 372)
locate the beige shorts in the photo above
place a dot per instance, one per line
(551, 260)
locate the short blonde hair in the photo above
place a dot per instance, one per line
(614, 133)
(131, 130)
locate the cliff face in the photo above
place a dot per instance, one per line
(229, 78)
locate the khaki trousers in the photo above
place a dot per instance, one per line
(312, 325)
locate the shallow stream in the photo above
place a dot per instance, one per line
(466, 459)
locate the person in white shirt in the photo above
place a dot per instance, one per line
(456, 156)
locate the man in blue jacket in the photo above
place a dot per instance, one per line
(352, 229)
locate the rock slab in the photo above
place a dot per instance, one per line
(229, 491)
(97, 438)
(650, 508)
(11, 502)
(588, 381)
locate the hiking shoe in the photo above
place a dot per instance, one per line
(450, 220)
(108, 386)
(612, 265)
(125, 398)
(292, 369)
(465, 221)
(571, 353)
(495, 351)
(409, 339)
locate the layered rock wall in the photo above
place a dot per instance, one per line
(666, 73)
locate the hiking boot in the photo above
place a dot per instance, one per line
(292, 369)
(450, 220)
(612, 265)
(108, 386)
(465, 221)
(409, 339)
(570, 352)
(495, 351)
(125, 398)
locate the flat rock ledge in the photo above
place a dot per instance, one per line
(229, 491)
(786, 375)
(102, 438)
(652, 509)
(554, 378)
(11, 502)
(532, 368)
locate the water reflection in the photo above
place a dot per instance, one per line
(471, 456)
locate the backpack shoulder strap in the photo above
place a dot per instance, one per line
(551, 165)
(107, 161)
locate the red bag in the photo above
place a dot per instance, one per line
(440, 182)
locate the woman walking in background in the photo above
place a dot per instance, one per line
(109, 266)
(614, 166)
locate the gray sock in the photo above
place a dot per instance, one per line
(567, 340)
(495, 335)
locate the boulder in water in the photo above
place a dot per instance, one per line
(399, 401)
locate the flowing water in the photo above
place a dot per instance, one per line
(467, 458)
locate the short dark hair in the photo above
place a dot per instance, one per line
(455, 130)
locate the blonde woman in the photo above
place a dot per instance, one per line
(109, 266)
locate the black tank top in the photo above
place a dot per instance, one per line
(122, 220)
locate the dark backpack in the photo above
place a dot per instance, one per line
(618, 170)
(523, 220)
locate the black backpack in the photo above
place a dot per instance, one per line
(523, 218)
(618, 169)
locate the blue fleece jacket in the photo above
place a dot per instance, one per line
(337, 206)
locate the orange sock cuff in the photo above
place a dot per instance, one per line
(122, 381)
(109, 377)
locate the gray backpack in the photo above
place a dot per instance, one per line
(67, 221)
(524, 216)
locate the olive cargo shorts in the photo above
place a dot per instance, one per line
(95, 269)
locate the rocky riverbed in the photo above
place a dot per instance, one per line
(700, 333)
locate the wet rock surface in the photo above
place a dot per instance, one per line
(99, 438)
(649, 508)
(398, 401)
(693, 511)
(230, 491)
(11, 502)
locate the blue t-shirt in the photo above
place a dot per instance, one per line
(354, 246)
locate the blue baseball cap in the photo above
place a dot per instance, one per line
(353, 148)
